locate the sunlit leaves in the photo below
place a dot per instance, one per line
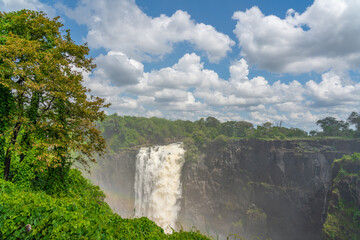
(43, 68)
(80, 213)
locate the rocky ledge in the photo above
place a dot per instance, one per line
(277, 189)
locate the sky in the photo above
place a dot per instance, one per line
(280, 61)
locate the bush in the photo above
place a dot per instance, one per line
(77, 213)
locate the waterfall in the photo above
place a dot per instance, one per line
(157, 184)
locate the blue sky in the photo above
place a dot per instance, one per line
(280, 61)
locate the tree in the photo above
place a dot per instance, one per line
(6, 109)
(242, 128)
(212, 122)
(313, 133)
(333, 127)
(267, 125)
(354, 119)
(54, 116)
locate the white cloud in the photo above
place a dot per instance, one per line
(303, 117)
(332, 91)
(170, 95)
(267, 116)
(188, 72)
(114, 72)
(243, 92)
(239, 70)
(119, 69)
(122, 26)
(36, 5)
(187, 90)
(121, 103)
(323, 37)
(155, 113)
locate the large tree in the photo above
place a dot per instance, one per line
(333, 127)
(354, 119)
(41, 71)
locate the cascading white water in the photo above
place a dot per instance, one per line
(157, 184)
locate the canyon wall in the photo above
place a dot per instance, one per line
(271, 189)
(276, 189)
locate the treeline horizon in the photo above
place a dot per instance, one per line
(130, 131)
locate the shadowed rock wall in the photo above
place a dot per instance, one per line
(276, 189)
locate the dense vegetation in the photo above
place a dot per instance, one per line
(126, 132)
(338, 128)
(74, 211)
(46, 114)
(47, 122)
(343, 219)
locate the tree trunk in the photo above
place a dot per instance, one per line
(7, 166)
(7, 160)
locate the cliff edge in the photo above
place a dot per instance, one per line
(276, 189)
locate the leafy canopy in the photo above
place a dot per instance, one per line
(41, 72)
(79, 213)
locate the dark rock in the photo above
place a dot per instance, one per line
(287, 180)
(343, 215)
(277, 189)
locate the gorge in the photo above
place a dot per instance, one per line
(278, 189)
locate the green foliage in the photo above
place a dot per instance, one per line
(338, 128)
(193, 234)
(192, 153)
(127, 132)
(77, 212)
(343, 219)
(333, 127)
(269, 132)
(354, 119)
(355, 157)
(7, 106)
(53, 114)
(220, 141)
(47, 121)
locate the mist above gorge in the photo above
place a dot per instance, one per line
(274, 186)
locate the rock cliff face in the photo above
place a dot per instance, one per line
(343, 215)
(276, 189)
(270, 189)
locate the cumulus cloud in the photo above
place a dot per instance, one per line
(332, 91)
(114, 72)
(154, 113)
(118, 68)
(123, 26)
(321, 38)
(243, 92)
(16, 5)
(120, 103)
(239, 70)
(123, 82)
(188, 72)
(187, 90)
